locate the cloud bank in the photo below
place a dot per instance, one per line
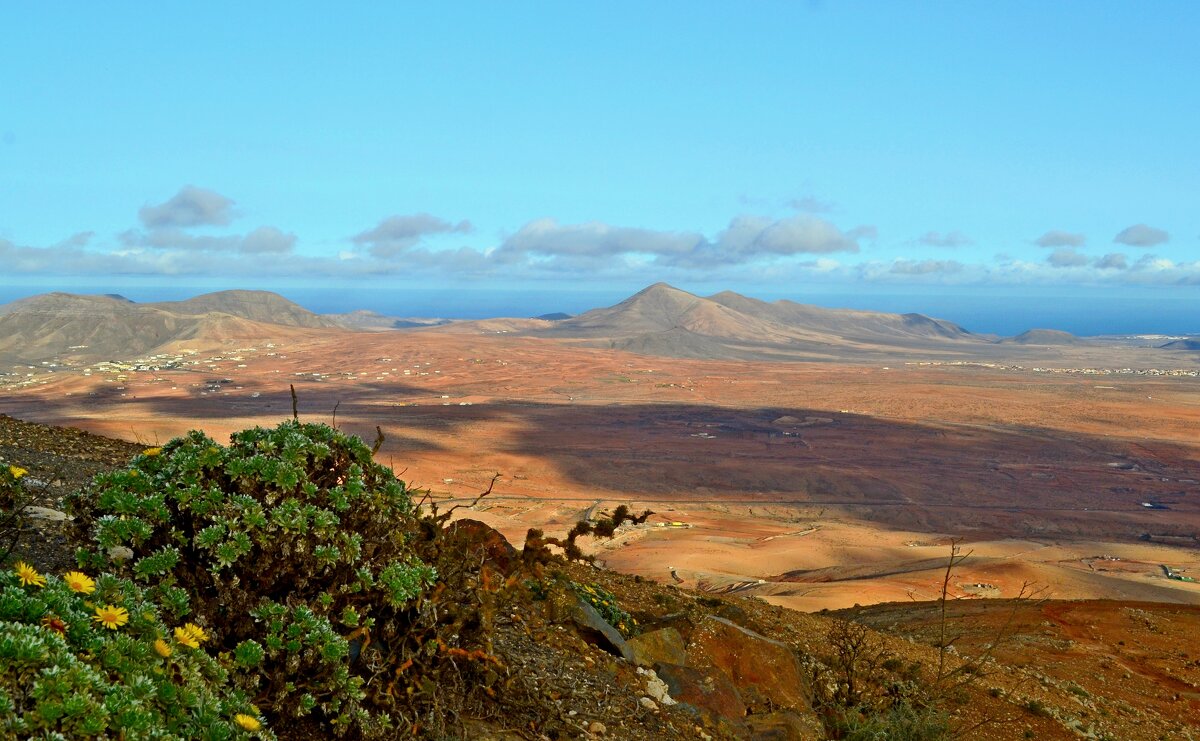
(189, 234)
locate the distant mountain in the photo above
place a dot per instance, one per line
(664, 320)
(662, 308)
(1192, 343)
(373, 320)
(60, 324)
(556, 316)
(257, 306)
(848, 323)
(1044, 337)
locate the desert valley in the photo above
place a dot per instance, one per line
(815, 458)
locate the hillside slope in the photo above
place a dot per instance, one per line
(739, 668)
(54, 325)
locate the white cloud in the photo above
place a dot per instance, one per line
(1067, 257)
(190, 207)
(1141, 235)
(1060, 238)
(396, 234)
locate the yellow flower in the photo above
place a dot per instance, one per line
(247, 722)
(28, 575)
(151, 451)
(191, 635)
(17, 472)
(162, 647)
(79, 582)
(111, 616)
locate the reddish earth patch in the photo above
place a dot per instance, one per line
(851, 477)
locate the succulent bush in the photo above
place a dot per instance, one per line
(291, 547)
(605, 603)
(85, 658)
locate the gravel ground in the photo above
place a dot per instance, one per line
(59, 460)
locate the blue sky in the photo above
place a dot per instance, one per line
(773, 148)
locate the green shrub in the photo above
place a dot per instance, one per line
(900, 722)
(291, 547)
(605, 603)
(64, 674)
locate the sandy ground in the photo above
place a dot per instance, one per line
(813, 485)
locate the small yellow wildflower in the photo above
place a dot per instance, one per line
(247, 722)
(186, 639)
(28, 575)
(162, 647)
(191, 635)
(17, 472)
(111, 616)
(152, 451)
(79, 582)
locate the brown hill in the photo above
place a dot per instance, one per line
(663, 320)
(55, 325)
(1044, 337)
(257, 306)
(847, 323)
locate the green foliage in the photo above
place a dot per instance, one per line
(64, 675)
(291, 547)
(900, 722)
(605, 603)
(1037, 707)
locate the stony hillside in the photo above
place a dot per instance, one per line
(571, 650)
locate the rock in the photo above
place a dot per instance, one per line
(663, 646)
(648, 704)
(766, 672)
(677, 620)
(784, 725)
(596, 728)
(656, 688)
(596, 630)
(476, 540)
(712, 693)
(34, 512)
(120, 553)
(738, 616)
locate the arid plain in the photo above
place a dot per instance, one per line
(812, 484)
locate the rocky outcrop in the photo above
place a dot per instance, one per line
(766, 672)
(662, 646)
